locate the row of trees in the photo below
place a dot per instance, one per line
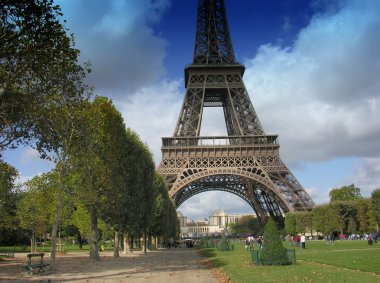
(248, 224)
(346, 213)
(103, 172)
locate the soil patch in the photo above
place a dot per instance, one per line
(160, 266)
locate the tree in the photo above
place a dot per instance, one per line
(100, 163)
(247, 224)
(81, 219)
(327, 219)
(37, 60)
(345, 193)
(291, 223)
(36, 206)
(41, 84)
(273, 252)
(55, 140)
(352, 225)
(165, 222)
(304, 221)
(363, 208)
(9, 195)
(223, 245)
(375, 200)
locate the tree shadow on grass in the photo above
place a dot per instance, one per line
(207, 252)
(211, 254)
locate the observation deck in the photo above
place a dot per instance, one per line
(220, 146)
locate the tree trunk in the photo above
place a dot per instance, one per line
(144, 241)
(127, 247)
(33, 244)
(116, 244)
(57, 220)
(79, 238)
(154, 242)
(94, 236)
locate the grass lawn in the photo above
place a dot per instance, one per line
(46, 248)
(345, 261)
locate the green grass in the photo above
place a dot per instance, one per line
(26, 249)
(345, 261)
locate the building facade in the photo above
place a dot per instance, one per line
(215, 224)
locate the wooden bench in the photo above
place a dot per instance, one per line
(35, 266)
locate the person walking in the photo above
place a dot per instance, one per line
(247, 243)
(251, 243)
(259, 242)
(289, 238)
(303, 241)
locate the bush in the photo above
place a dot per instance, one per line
(223, 246)
(273, 252)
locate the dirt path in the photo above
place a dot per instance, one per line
(161, 266)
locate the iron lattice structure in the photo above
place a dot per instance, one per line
(247, 161)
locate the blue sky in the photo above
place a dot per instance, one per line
(312, 72)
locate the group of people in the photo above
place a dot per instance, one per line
(250, 242)
(300, 240)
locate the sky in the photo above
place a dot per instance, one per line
(312, 73)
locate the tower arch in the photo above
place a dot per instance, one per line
(258, 191)
(246, 162)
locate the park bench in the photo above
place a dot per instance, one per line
(37, 265)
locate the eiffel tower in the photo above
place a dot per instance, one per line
(246, 162)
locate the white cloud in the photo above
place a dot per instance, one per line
(116, 37)
(367, 176)
(322, 95)
(29, 155)
(204, 204)
(152, 112)
(318, 196)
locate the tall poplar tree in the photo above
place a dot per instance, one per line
(37, 60)
(95, 161)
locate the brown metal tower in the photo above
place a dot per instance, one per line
(246, 162)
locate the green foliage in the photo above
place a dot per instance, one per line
(345, 193)
(375, 201)
(223, 244)
(304, 221)
(38, 63)
(114, 176)
(291, 223)
(96, 158)
(363, 208)
(246, 225)
(36, 207)
(165, 223)
(81, 219)
(298, 222)
(344, 217)
(8, 196)
(273, 252)
(326, 219)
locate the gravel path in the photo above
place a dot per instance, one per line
(162, 266)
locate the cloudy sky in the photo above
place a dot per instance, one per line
(312, 72)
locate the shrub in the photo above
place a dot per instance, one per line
(273, 252)
(223, 246)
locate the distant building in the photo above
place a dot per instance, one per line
(182, 219)
(215, 224)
